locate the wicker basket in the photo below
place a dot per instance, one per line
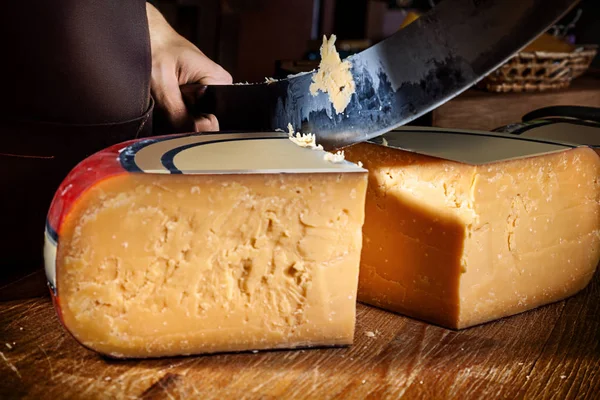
(539, 71)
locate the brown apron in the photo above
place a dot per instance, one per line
(76, 80)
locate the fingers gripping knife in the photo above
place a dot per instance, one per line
(396, 81)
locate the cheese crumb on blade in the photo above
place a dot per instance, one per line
(458, 244)
(333, 76)
(223, 261)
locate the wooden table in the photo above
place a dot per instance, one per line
(551, 352)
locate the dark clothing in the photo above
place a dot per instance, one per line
(76, 79)
(75, 61)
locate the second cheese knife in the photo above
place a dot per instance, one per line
(399, 79)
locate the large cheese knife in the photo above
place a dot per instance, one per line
(397, 80)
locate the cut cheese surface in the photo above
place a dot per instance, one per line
(459, 244)
(201, 252)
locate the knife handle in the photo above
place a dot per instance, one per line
(198, 98)
(236, 107)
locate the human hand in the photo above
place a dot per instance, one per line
(176, 61)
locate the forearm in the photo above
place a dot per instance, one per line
(161, 32)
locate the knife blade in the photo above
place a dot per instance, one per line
(399, 79)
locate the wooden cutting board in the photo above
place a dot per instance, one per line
(550, 352)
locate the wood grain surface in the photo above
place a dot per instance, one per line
(552, 352)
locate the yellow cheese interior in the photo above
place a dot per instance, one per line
(459, 244)
(157, 265)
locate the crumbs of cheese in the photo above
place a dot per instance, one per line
(333, 76)
(309, 140)
(303, 139)
(334, 157)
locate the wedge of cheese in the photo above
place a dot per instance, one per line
(206, 243)
(463, 227)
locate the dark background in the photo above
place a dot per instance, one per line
(254, 39)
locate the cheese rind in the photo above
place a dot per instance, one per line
(460, 244)
(155, 264)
